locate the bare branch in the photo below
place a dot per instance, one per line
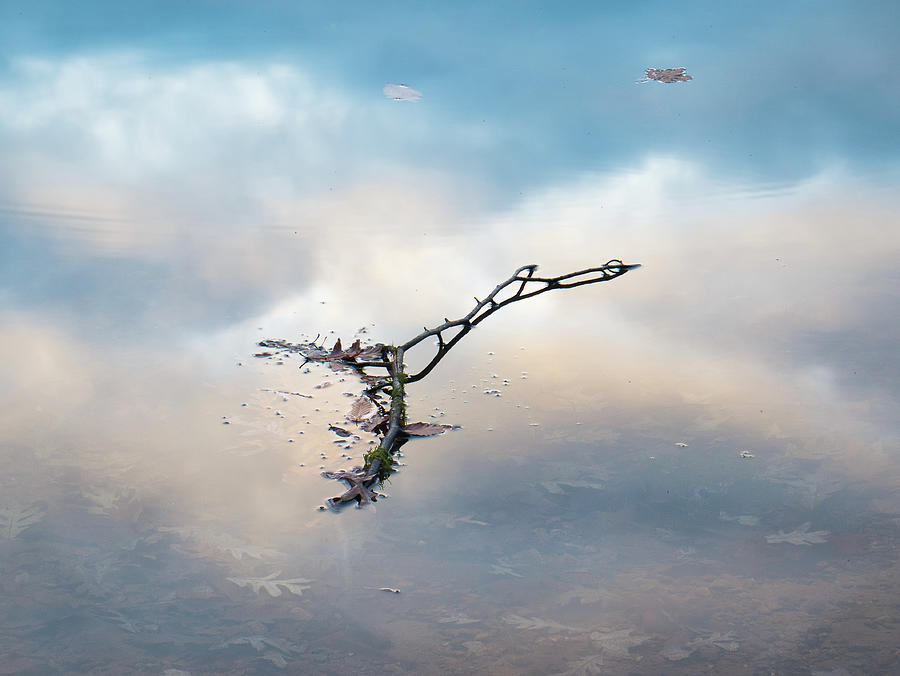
(490, 304)
(377, 462)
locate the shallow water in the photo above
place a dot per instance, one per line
(689, 469)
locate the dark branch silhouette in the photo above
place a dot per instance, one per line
(391, 423)
(485, 308)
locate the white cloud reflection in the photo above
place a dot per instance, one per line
(207, 171)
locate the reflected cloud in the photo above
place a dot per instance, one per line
(695, 460)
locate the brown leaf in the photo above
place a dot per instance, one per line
(421, 429)
(353, 350)
(371, 352)
(340, 431)
(667, 75)
(375, 422)
(337, 350)
(360, 409)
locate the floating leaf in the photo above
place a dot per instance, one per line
(360, 409)
(801, 536)
(340, 431)
(371, 352)
(272, 584)
(420, 429)
(337, 351)
(15, 518)
(373, 423)
(666, 75)
(400, 92)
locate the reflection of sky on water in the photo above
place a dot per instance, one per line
(177, 186)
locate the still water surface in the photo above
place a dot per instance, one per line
(594, 517)
(689, 469)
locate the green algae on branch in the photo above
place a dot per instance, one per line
(391, 424)
(384, 460)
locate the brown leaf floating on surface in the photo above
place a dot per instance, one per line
(360, 409)
(666, 75)
(420, 429)
(340, 431)
(375, 422)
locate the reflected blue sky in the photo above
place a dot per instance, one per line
(778, 90)
(180, 180)
(198, 123)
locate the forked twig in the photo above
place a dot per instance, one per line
(378, 462)
(490, 304)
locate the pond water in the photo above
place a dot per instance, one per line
(690, 469)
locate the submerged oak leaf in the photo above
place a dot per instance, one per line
(556, 487)
(15, 518)
(724, 641)
(115, 617)
(618, 643)
(536, 623)
(587, 666)
(272, 584)
(500, 568)
(457, 619)
(273, 650)
(259, 644)
(222, 542)
(801, 536)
